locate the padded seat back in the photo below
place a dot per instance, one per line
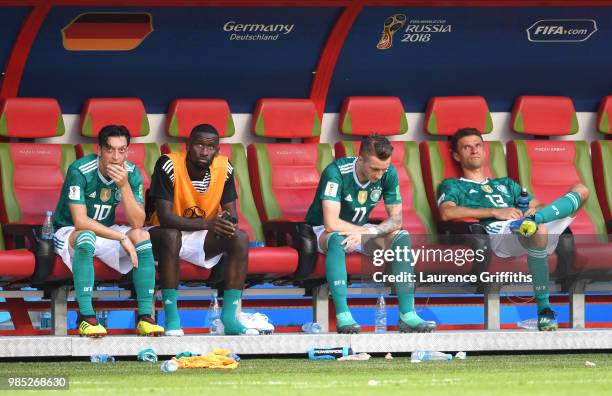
(31, 118)
(99, 112)
(184, 114)
(549, 168)
(284, 177)
(362, 115)
(32, 177)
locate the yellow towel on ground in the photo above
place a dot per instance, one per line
(216, 359)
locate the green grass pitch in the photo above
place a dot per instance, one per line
(523, 375)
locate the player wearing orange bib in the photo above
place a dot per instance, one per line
(187, 189)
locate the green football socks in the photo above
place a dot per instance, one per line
(404, 289)
(144, 277)
(335, 270)
(172, 321)
(562, 207)
(537, 261)
(83, 271)
(231, 325)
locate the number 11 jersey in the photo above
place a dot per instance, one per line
(339, 183)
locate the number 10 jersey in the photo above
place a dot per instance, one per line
(85, 185)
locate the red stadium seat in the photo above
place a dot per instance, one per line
(14, 264)
(284, 176)
(601, 152)
(31, 118)
(549, 168)
(99, 112)
(286, 118)
(446, 114)
(603, 115)
(26, 196)
(362, 115)
(184, 114)
(544, 116)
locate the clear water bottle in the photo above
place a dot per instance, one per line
(102, 317)
(101, 358)
(169, 366)
(523, 201)
(529, 324)
(45, 320)
(47, 230)
(311, 328)
(380, 315)
(425, 356)
(214, 313)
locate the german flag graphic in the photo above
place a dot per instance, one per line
(95, 31)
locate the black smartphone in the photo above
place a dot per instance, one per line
(228, 217)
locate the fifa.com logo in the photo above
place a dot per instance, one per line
(392, 25)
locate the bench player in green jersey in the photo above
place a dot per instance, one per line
(85, 223)
(494, 201)
(348, 190)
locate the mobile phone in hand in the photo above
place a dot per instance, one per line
(228, 217)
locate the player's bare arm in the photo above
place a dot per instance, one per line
(393, 222)
(333, 222)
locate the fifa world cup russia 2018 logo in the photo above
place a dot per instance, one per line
(392, 25)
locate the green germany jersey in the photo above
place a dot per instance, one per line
(85, 185)
(491, 193)
(339, 183)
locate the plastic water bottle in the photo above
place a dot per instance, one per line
(214, 312)
(380, 315)
(169, 366)
(424, 356)
(529, 324)
(101, 358)
(329, 353)
(523, 201)
(311, 328)
(102, 317)
(47, 231)
(45, 320)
